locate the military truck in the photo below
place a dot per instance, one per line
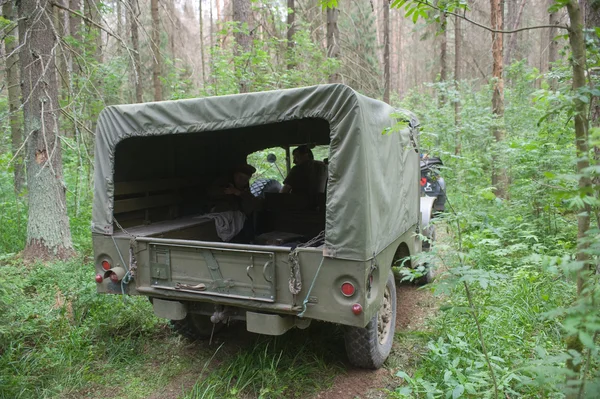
(154, 162)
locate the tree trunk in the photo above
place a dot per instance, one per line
(156, 57)
(75, 33)
(48, 234)
(60, 27)
(333, 46)
(457, 77)
(202, 60)
(291, 29)
(93, 14)
(553, 19)
(512, 44)
(135, 44)
(443, 55)
(386, 51)
(241, 11)
(578, 63)
(499, 174)
(14, 101)
(591, 14)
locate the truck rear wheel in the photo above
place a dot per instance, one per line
(368, 347)
(196, 326)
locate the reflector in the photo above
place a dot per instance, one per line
(105, 265)
(347, 289)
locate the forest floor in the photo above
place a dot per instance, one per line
(414, 307)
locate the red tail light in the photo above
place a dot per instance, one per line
(356, 309)
(106, 265)
(99, 278)
(348, 289)
(114, 277)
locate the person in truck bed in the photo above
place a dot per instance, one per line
(231, 195)
(308, 176)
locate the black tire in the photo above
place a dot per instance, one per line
(369, 347)
(196, 327)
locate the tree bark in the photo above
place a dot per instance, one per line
(14, 101)
(155, 45)
(553, 19)
(202, 60)
(93, 14)
(241, 11)
(512, 44)
(48, 234)
(291, 30)
(75, 33)
(499, 173)
(61, 28)
(333, 46)
(135, 44)
(443, 55)
(457, 77)
(386, 51)
(578, 64)
(591, 14)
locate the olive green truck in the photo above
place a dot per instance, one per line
(154, 162)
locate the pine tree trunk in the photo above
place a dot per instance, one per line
(457, 77)
(48, 234)
(202, 50)
(291, 29)
(135, 44)
(499, 174)
(241, 11)
(156, 57)
(14, 101)
(333, 46)
(60, 28)
(75, 33)
(386, 51)
(443, 55)
(93, 13)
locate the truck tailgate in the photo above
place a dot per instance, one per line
(208, 270)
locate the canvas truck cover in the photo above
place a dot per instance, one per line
(372, 192)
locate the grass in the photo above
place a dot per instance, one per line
(58, 339)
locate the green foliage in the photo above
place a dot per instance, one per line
(515, 256)
(56, 332)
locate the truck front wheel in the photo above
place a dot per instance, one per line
(196, 326)
(368, 347)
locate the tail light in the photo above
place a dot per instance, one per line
(99, 278)
(357, 309)
(115, 274)
(106, 265)
(348, 289)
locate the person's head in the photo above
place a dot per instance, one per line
(302, 154)
(242, 174)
